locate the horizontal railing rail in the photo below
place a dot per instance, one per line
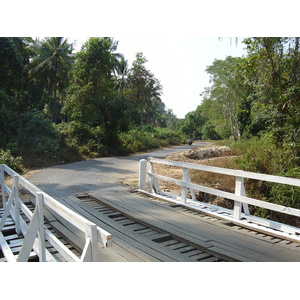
(35, 233)
(149, 183)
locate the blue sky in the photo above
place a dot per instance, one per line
(179, 63)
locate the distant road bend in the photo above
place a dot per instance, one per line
(146, 229)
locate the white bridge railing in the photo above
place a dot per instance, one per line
(240, 214)
(35, 234)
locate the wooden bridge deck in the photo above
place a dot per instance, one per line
(147, 229)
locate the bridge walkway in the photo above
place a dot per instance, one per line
(12, 241)
(148, 229)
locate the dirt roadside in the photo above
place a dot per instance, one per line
(210, 155)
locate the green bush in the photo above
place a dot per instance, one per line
(86, 140)
(209, 132)
(148, 137)
(169, 137)
(37, 136)
(15, 163)
(135, 141)
(75, 133)
(262, 155)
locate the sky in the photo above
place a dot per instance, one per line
(179, 64)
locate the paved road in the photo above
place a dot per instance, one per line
(91, 175)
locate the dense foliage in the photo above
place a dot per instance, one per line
(59, 106)
(252, 95)
(256, 96)
(254, 101)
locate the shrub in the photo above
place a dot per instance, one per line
(86, 140)
(148, 137)
(169, 137)
(209, 132)
(262, 155)
(15, 163)
(37, 136)
(135, 141)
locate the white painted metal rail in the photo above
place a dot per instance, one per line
(240, 214)
(35, 234)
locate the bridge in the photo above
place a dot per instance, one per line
(113, 222)
(30, 226)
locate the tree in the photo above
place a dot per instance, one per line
(193, 122)
(23, 47)
(91, 95)
(11, 67)
(274, 74)
(144, 91)
(121, 74)
(227, 91)
(167, 118)
(50, 66)
(11, 82)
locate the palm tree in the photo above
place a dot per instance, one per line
(50, 65)
(122, 71)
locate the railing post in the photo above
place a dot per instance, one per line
(35, 228)
(150, 181)
(237, 209)
(185, 178)
(7, 210)
(142, 174)
(41, 232)
(17, 204)
(2, 179)
(91, 251)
